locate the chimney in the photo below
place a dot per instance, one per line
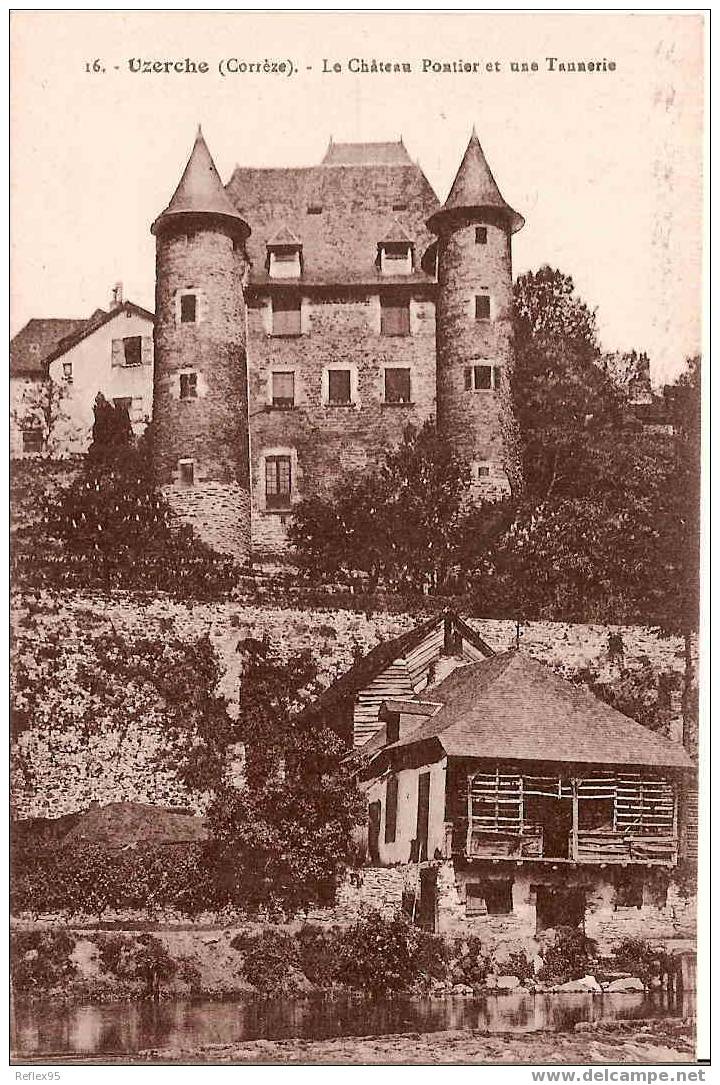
(116, 296)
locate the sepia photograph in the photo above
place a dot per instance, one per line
(357, 670)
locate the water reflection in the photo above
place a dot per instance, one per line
(43, 1029)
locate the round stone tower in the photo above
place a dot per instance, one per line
(200, 396)
(474, 326)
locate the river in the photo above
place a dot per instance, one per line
(46, 1029)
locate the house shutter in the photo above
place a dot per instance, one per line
(147, 350)
(118, 352)
(391, 810)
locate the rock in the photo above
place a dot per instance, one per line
(630, 984)
(586, 983)
(462, 989)
(491, 981)
(507, 983)
(537, 963)
(501, 953)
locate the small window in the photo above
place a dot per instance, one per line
(396, 258)
(483, 471)
(188, 386)
(283, 390)
(394, 315)
(34, 348)
(132, 348)
(481, 235)
(68, 372)
(391, 810)
(489, 898)
(32, 440)
(397, 385)
(278, 482)
(339, 391)
(482, 378)
(482, 306)
(188, 309)
(628, 890)
(314, 209)
(187, 472)
(399, 207)
(286, 316)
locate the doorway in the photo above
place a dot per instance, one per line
(556, 818)
(559, 907)
(428, 899)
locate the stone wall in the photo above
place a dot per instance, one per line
(474, 420)
(208, 429)
(70, 770)
(324, 441)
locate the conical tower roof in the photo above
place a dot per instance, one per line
(475, 189)
(201, 191)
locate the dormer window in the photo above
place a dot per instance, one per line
(284, 255)
(396, 257)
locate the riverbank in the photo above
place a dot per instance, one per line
(624, 1043)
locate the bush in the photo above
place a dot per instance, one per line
(569, 958)
(145, 958)
(640, 958)
(376, 955)
(318, 954)
(40, 960)
(270, 959)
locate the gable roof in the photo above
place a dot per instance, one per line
(475, 189)
(339, 210)
(386, 652)
(29, 349)
(512, 707)
(200, 190)
(87, 327)
(284, 236)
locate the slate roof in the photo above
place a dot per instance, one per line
(356, 191)
(512, 707)
(122, 823)
(382, 655)
(200, 190)
(367, 154)
(475, 189)
(97, 320)
(43, 333)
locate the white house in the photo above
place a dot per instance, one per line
(111, 352)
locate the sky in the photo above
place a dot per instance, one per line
(606, 166)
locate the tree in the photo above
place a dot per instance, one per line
(561, 396)
(112, 435)
(42, 407)
(408, 523)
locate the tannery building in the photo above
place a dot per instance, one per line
(505, 799)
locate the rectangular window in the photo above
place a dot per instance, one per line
(283, 390)
(481, 235)
(397, 385)
(68, 371)
(489, 898)
(286, 316)
(32, 440)
(339, 386)
(483, 471)
(187, 472)
(277, 482)
(482, 378)
(391, 810)
(188, 309)
(132, 348)
(482, 306)
(394, 315)
(188, 386)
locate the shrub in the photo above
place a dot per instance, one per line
(640, 958)
(269, 959)
(318, 954)
(41, 959)
(376, 954)
(569, 958)
(142, 957)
